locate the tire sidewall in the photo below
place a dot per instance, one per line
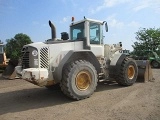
(72, 76)
(133, 80)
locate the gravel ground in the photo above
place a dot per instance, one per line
(20, 100)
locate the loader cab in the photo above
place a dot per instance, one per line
(91, 31)
(77, 31)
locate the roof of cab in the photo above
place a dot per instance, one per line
(87, 19)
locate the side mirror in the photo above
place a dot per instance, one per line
(106, 27)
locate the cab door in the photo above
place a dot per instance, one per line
(96, 39)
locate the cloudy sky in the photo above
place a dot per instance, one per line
(124, 17)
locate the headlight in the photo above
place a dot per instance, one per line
(34, 52)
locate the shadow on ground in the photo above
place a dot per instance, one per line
(35, 98)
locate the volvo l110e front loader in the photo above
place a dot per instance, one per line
(77, 61)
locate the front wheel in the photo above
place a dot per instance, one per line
(128, 72)
(79, 80)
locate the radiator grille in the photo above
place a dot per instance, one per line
(44, 62)
(25, 59)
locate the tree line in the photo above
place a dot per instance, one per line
(147, 40)
(14, 45)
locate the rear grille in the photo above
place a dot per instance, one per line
(25, 59)
(44, 61)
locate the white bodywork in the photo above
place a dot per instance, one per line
(43, 76)
(56, 52)
(111, 50)
(98, 50)
(38, 75)
(49, 55)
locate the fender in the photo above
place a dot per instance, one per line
(72, 56)
(116, 62)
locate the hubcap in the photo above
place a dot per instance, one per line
(131, 72)
(83, 80)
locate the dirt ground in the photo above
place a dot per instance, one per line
(20, 100)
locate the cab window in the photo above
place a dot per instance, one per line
(77, 31)
(94, 33)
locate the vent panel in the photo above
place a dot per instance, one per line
(25, 59)
(44, 61)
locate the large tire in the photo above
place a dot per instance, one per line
(128, 73)
(155, 64)
(79, 80)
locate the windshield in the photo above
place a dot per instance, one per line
(77, 31)
(95, 33)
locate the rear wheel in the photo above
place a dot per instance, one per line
(79, 80)
(128, 73)
(155, 64)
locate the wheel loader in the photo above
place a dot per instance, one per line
(7, 66)
(77, 61)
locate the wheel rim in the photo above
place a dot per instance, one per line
(131, 72)
(83, 80)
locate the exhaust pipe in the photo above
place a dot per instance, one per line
(53, 30)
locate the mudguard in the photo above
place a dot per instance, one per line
(115, 63)
(75, 55)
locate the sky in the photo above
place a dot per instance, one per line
(124, 17)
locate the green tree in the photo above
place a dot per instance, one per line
(147, 40)
(15, 45)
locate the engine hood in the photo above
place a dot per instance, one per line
(37, 45)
